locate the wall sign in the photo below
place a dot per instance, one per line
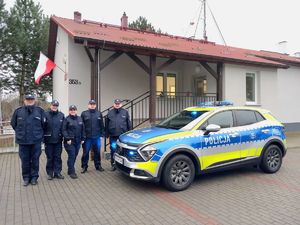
(74, 82)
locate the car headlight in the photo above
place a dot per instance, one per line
(147, 152)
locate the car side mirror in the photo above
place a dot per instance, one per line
(212, 128)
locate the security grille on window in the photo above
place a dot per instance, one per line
(250, 87)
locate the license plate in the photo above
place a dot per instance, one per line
(119, 159)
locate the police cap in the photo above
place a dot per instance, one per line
(72, 107)
(55, 103)
(29, 96)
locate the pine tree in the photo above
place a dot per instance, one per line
(3, 47)
(27, 35)
(142, 23)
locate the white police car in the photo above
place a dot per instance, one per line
(199, 140)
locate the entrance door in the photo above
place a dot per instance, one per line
(200, 86)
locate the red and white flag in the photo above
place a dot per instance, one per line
(44, 67)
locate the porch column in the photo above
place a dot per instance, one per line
(96, 78)
(220, 81)
(152, 100)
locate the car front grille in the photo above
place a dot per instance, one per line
(130, 154)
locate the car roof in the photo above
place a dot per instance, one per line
(222, 108)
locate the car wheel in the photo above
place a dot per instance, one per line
(178, 173)
(271, 160)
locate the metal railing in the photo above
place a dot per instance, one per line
(167, 103)
(7, 137)
(138, 109)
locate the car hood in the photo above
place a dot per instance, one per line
(142, 135)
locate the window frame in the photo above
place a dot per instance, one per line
(254, 111)
(164, 74)
(206, 120)
(255, 75)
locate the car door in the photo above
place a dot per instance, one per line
(247, 122)
(222, 147)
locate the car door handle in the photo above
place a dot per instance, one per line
(234, 134)
(265, 131)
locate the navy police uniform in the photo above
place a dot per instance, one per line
(73, 130)
(117, 122)
(28, 123)
(94, 130)
(53, 142)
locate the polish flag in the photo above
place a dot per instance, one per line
(44, 67)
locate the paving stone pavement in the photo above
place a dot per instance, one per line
(244, 196)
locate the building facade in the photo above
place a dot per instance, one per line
(107, 62)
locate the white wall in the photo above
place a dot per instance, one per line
(190, 74)
(79, 69)
(60, 85)
(288, 94)
(124, 79)
(267, 90)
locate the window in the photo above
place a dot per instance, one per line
(223, 119)
(251, 87)
(171, 84)
(200, 86)
(259, 117)
(245, 117)
(159, 83)
(166, 84)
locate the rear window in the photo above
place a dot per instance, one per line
(247, 117)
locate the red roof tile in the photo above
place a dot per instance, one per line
(168, 43)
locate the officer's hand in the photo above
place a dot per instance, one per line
(69, 142)
(82, 142)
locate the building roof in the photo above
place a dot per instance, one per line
(164, 44)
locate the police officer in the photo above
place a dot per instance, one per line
(117, 122)
(53, 141)
(94, 130)
(74, 136)
(28, 122)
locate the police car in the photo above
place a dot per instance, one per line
(202, 139)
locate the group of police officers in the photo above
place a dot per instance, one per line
(33, 126)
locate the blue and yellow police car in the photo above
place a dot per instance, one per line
(199, 140)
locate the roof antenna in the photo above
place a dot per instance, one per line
(203, 7)
(204, 21)
(217, 26)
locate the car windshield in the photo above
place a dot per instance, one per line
(180, 120)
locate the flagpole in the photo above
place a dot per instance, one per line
(61, 69)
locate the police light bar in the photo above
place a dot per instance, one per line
(216, 103)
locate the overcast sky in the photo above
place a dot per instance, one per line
(253, 24)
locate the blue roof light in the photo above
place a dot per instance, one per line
(216, 103)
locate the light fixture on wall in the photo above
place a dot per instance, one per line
(197, 69)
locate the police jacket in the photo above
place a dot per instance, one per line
(93, 123)
(73, 128)
(28, 123)
(53, 127)
(117, 122)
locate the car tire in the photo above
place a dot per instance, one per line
(271, 160)
(178, 173)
